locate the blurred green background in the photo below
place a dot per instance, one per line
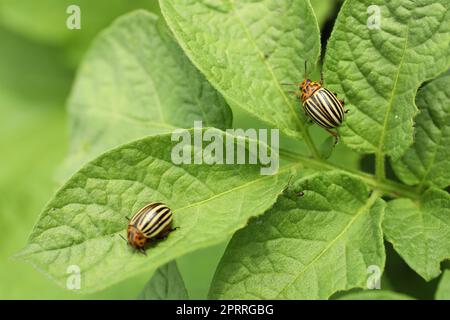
(38, 62)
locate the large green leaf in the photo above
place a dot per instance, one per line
(33, 85)
(375, 295)
(420, 231)
(308, 246)
(44, 21)
(428, 159)
(247, 48)
(443, 290)
(166, 284)
(323, 10)
(134, 82)
(378, 71)
(81, 224)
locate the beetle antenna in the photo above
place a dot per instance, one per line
(305, 68)
(290, 179)
(123, 238)
(335, 135)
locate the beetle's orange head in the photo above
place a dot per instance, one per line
(307, 88)
(136, 238)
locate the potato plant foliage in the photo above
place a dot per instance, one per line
(312, 229)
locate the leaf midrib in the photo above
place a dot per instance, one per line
(280, 172)
(380, 150)
(370, 201)
(267, 66)
(125, 117)
(187, 50)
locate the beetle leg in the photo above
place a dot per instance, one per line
(342, 102)
(288, 184)
(347, 110)
(165, 233)
(298, 94)
(335, 135)
(123, 238)
(142, 250)
(308, 118)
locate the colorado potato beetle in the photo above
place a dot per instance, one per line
(320, 104)
(154, 221)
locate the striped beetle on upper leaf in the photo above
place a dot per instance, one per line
(320, 104)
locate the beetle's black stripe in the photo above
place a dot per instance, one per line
(316, 113)
(139, 216)
(152, 221)
(156, 228)
(147, 213)
(324, 109)
(154, 231)
(328, 107)
(313, 111)
(317, 120)
(155, 219)
(149, 219)
(335, 103)
(335, 99)
(154, 215)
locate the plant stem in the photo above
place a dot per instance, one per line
(310, 143)
(388, 187)
(379, 166)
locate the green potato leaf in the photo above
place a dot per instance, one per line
(309, 246)
(377, 71)
(166, 284)
(44, 21)
(443, 289)
(375, 295)
(420, 231)
(246, 49)
(323, 10)
(83, 222)
(326, 147)
(427, 161)
(134, 82)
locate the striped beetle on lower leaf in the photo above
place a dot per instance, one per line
(320, 104)
(152, 222)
